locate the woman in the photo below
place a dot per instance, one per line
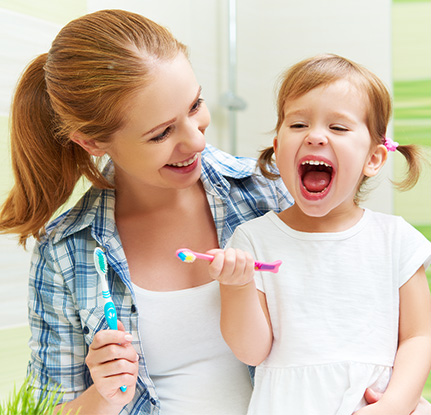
(117, 84)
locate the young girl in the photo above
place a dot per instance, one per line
(351, 306)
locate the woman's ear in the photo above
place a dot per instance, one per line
(376, 161)
(90, 145)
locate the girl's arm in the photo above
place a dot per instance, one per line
(244, 322)
(413, 360)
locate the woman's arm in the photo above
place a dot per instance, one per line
(423, 407)
(244, 321)
(60, 355)
(413, 359)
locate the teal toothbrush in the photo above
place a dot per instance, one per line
(101, 265)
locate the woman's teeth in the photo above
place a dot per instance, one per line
(185, 163)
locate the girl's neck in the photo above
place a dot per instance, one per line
(337, 220)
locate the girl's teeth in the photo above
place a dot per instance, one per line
(315, 163)
(186, 163)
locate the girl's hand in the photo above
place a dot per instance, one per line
(231, 266)
(423, 408)
(113, 362)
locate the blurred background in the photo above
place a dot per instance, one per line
(238, 49)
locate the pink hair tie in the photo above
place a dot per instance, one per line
(390, 144)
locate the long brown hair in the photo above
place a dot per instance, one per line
(323, 70)
(80, 86)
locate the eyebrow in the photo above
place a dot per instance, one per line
(304, 112)
(166, 123)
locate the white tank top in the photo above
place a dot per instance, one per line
(194, 371)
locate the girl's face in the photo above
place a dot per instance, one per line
(323, 148)
(160, 144)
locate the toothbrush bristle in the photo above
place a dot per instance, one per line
(100, 260)
(186, 256)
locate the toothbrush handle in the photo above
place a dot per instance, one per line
(111, 318)
(111, 315)
(267, 266)
(260, 266)
(203, 256)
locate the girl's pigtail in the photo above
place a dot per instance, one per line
(266, 164)
(45, 165)
(415, 157)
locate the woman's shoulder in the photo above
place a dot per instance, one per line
(81, 215)
(227, 164)
(95, 205)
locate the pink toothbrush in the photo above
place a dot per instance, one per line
(189, 256)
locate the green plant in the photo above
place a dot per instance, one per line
(24, 402)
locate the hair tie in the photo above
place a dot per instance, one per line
(390, 144)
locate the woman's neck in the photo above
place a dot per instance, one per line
(133, 202)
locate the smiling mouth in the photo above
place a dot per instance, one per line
(316, 176)
(185, 163)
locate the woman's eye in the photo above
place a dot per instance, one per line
(162, 136)
(196, 105)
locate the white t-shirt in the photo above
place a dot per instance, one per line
(334, 308)
(193, 370)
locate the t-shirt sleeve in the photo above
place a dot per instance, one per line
(415, 251)
(239, 240)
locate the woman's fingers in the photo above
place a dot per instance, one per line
(104, 337)
(113, 362)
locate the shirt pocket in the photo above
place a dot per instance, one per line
(92, 320)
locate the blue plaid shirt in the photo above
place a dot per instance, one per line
(65, 299)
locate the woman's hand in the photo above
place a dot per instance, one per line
(423, 408)
(113, 362)
(231, 266)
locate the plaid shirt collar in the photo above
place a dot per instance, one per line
(217, 168)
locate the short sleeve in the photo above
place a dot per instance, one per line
(239, 240)
(415, 251)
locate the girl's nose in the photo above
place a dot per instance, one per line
(316, 138)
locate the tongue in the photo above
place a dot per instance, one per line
(316, 181)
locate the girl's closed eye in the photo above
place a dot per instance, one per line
(298, 125)
(338, 127)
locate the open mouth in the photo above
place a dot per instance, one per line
(316, 176)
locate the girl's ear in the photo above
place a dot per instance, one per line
(91, 146)
(376, 160)
(275, 143)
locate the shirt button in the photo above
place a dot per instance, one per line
(133, 308)
(86, 330)
(153, 401)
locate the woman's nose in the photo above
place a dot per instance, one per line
(194, 127)
(193, 136)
